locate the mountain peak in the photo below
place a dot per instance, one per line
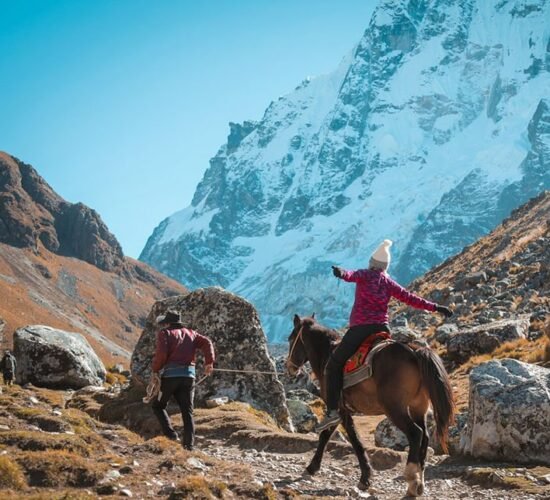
(32, 214)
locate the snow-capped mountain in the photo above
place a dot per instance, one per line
(429, 133)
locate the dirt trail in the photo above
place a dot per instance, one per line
(339, 476)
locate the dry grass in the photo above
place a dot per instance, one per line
(60, 468)
(198, 488)
(40, 441)
(160, 445)
(11, 475)
(536, 351)
(509, 478)
(112, 378)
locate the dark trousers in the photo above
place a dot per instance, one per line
(334, 370)
(183, 390)
(8, 377)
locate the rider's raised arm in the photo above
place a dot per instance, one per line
(352, 276)
(409, 298)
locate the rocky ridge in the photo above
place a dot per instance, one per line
(504, 275)
(60, 266)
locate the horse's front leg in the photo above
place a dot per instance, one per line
(366, 469)
(324, 438)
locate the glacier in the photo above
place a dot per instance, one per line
(429, 132)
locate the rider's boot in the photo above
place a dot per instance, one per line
(331, 418)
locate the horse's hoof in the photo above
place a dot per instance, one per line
(416, 489)
(310, 471)
(363, 486)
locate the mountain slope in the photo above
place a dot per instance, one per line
(430, 132)
(60, 266)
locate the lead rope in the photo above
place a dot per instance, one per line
(229, 370)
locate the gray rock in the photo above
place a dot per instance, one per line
(47, 357)
(404, 334)
(303, 418)
(486, 337)
(444, 332)
(509, 412)
(387, 435)
(234, 327)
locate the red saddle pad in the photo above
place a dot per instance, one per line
(360, 356)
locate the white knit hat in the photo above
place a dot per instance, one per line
(380, 259)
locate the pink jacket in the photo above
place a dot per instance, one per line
(373, 292)
(178, 346)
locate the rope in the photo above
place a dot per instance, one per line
(247, 371)
(153, 389)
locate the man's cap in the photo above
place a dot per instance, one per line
(170, 317)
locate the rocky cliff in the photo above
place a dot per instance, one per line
(429, 132)
(61, 266)
(32, 213)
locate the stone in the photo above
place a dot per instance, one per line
(486, 337)
(509, 413)
(444, 332)
(234, 327)
(387, 435)
(47, 357)
(215, 402)
(470, 281)
(303, 418)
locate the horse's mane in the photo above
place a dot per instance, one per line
(322, 331)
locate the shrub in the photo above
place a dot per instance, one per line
(11, 475)
(198, 488)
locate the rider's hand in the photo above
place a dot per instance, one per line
(338, 272)
(444, 310)
(208, 369)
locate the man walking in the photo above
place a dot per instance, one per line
(174, 363)
(8, 366)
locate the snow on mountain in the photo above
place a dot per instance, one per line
(430, 132)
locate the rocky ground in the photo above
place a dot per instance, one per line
(49, 449)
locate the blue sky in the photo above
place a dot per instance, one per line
(121, 103)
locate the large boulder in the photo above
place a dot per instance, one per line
(387, 435)
(48, 357)
(234, 327)
(486, 338)
(509, 413)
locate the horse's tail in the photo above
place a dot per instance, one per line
(436, 380)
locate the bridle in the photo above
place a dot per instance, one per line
(289, 358)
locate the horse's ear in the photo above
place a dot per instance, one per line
(313, 316)
(297, 320)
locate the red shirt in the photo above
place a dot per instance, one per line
(178, 346)
(373, 293)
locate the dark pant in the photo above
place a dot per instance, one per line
(8, 377)
(334, 370)
(183, 390)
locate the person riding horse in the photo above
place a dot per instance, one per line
(369, 315)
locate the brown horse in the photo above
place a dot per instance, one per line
(404, 382)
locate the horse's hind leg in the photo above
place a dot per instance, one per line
(324, 438)
(414, 433)
(360, 451)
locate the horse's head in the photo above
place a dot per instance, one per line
(297, 355)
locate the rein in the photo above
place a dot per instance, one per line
(289, 358)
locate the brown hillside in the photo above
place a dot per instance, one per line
(60, 266)
(515, 260)
(68, 293)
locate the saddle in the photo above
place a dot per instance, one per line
(359, 366)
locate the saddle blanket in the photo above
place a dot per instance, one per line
(359, 358)
(364, 371)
